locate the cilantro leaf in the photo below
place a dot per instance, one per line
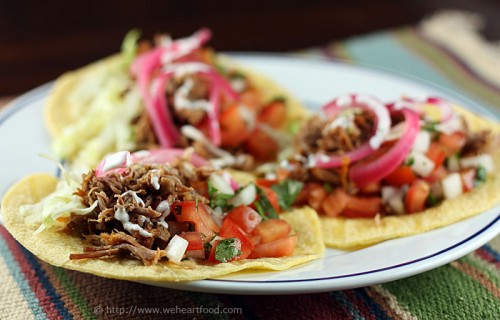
(430, 126)
(287, 191)
(226, 250)
(264, 206)
(481, 176)
(218, 199)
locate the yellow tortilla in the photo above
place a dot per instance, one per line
(77, 93)
(345, 233)
(55, 247)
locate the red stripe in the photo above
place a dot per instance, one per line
(487, 257)
(44, 300)
(359, 304)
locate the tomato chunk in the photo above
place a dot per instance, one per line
(251, 98)
(261, 145)
(400, 176)
(362, 207)
(272, 229)
(437, 153)
(335, 202)
(416, 196)
(233, 126)
(279, 248)
(437, 174)
(273, 114)
(194, 239)
(468, 178)
(453, 142)
(272, 197)
(198, 215)
(230, 229)
(314, 194)
(245, 217)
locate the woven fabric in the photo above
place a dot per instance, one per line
(468, 288)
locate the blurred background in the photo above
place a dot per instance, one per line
(39, 40)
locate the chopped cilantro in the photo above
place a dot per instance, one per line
(481, 176)
(237, 74)
(430, 126)
(287, 191)
(431, 200)
(410, 161)
(218, 199)
(264, 206)
(294, 127)
(226, 250)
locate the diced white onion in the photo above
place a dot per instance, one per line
(388, 192)
(396, 203)
(483, 160)
(396, 131)
(219, 183)
(218, 215)
(422, 142)
(245, 196)
(422, 165)
(176, 248)
(452, 185)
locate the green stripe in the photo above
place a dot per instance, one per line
(486, 268)
(74, 293)
(437, 293)
(383, 50)
(460, 77)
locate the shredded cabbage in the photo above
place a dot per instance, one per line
(59, 204)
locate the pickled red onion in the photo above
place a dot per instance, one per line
(364, 173)
(382, 127)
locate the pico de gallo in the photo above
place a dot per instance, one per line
(191, 99)
(168, 205)
(363, 158)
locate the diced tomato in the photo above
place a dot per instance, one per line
(245, 217)
(416, 196)
(272, 229)
(230, 229)
(272, 197)
(282, 174)
(201, 187)
(453, 142)
(234, 128)
(402, 175)
(437, 174)
(273, 114)
(211, 256)
(261, 145)
(263, 182)
(314, 194)
(279, 248)
(194, 239)
(335, 202)
(251, 98)
(468, 176)
(437, 153)
(370, 188)
(196, 254)
(198, 215)
(362, 207)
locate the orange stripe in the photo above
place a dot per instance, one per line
(478, 276)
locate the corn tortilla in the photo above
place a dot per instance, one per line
(54, 247)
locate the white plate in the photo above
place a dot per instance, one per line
(23, 137)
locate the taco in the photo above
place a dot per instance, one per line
(376, 172)
(154, 216)
(173, 93)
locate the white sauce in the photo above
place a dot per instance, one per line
(181, 100)
(155, 179)
(122, 216)
(164, 208)
(117, 160)
(134, 196)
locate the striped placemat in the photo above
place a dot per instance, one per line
(468, 288)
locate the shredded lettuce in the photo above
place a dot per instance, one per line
(59, 204)
(129, 46)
